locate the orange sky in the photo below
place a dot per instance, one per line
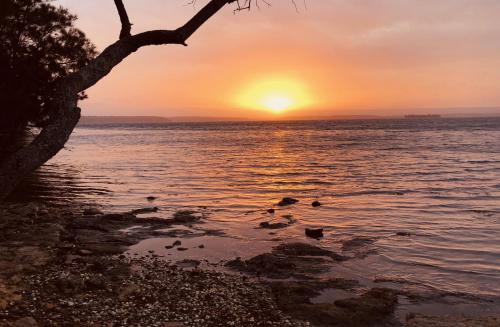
(342, 57)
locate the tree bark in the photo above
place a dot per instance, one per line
(66, 113)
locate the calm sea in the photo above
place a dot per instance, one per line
(436, 179)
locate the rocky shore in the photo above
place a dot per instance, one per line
(67, 267)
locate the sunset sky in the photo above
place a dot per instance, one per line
(337, 57)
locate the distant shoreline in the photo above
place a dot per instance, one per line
(123, 120)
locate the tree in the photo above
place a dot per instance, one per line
(64, 113)
(38, 46)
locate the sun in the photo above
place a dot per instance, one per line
(274, 94)
(277, 102)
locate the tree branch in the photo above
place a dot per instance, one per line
(116, 52)
(201, 17)
(126, 25)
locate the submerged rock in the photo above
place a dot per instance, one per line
(185, 216)
(290, 219)
(360, 246)
(268, 225)
(314, 233)
(304, 249)
(270, 210)
(151, 198)
(356, 243)
(144, 210)
(403, 234)
(376, 302)
(113, 216)
(287, 201)
(316, 204)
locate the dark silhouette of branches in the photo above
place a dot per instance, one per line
(126, 25)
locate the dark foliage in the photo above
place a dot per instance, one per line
(38, 45)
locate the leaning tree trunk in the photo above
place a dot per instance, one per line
(53, 137)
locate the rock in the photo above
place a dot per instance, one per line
(375, 302)
(314, 233)
(182, 249)
(168, 247)
(290, 219)
(287, 260)
(177, 243)
(92, 212)
(144, 210)
(287, 202)
(267, 264)
(373, 308)
(403, 234)
(270, 210)
(185, 216)
(316, 204)
(151, 198)
(118, 217)
(7, 296)
(26, 322)
(268, 225)
(419, 320)
(304, 249)
(85, 252)
(49, 306)
(201, 246)
(290, 293)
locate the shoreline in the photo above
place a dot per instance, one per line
(59, 264)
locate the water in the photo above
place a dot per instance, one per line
(437, 179)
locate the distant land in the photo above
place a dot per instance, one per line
(96, 120)
(103, 120)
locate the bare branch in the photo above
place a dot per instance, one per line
(126, 25)
(201, 17)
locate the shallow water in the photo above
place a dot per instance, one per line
(438, 180)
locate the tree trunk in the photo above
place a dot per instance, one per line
(53, 137)
(47, 144)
